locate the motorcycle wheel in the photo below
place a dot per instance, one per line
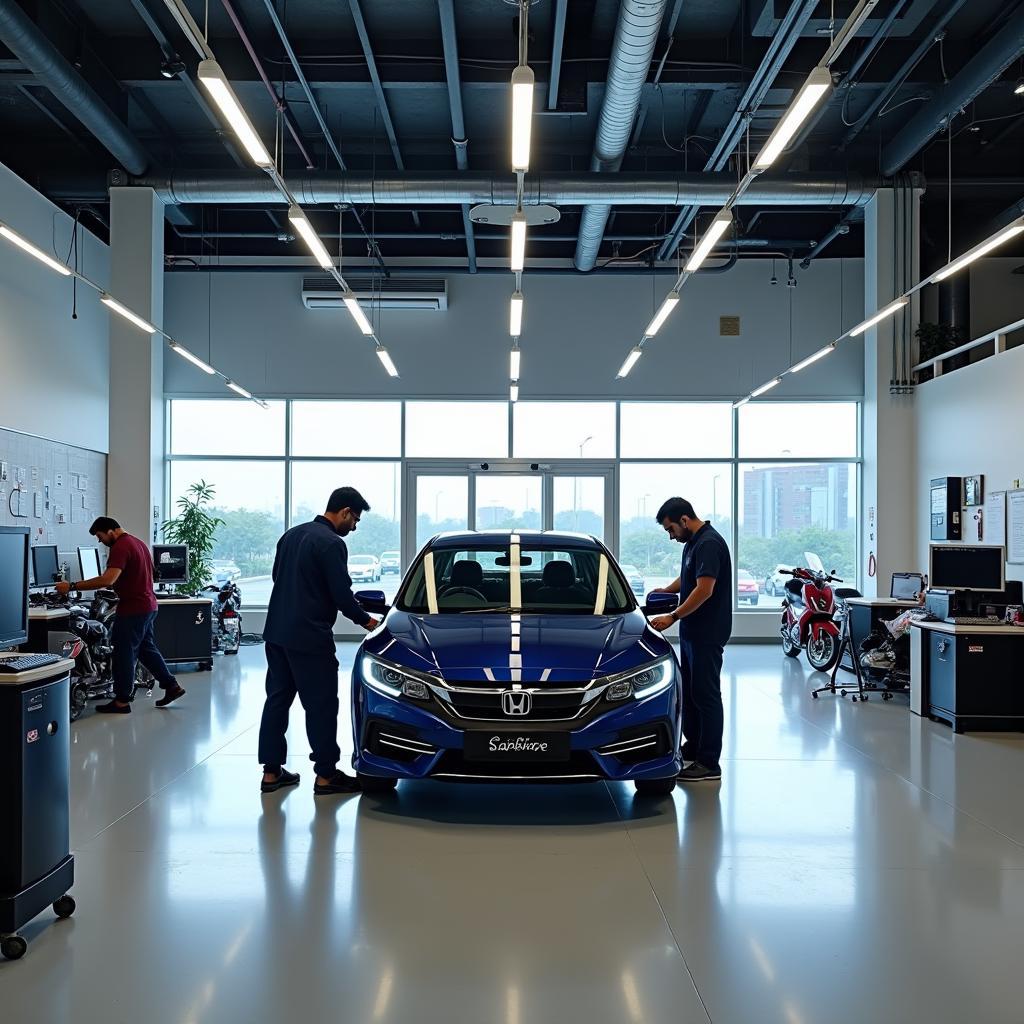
(823, 652)
(790, 649)
(79, 700)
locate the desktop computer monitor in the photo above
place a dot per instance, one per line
(967, 567)
(89, 563)
(45, 564)
(905, 586)
(170, 562)
(13, 585)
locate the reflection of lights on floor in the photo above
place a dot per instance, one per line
(791, 1014)
(762, 959)
(632, 997)
(380, 1005)
(512, 1005)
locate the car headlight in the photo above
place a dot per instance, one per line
(641, 682)
(392, 681)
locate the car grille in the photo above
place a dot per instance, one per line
(483, 702)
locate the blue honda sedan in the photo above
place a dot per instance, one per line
(516, 656)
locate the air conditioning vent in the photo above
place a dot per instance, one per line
(728, 326)
(400, 293)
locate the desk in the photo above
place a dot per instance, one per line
(41, 623)
(968, 676)
(868, 613)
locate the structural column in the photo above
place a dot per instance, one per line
(135, 467)
(891, 264)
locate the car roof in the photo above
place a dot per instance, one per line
(548, 540)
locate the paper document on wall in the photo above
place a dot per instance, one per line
(1015, 527)
(995, 518)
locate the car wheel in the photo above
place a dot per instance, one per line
(655, 787)
(375, 784)
(753, 600)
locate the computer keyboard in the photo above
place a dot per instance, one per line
(27, 662)
(974, 620)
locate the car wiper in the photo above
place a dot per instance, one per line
(505, 610)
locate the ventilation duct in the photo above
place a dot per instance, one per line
(406, 293)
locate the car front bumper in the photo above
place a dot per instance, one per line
(398, 724)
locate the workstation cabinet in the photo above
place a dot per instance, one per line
(184, 631)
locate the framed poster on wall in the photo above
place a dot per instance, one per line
(1015, 527)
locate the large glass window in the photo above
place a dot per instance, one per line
(456, 430)
(226, 427)
(442, 504)
(675, 430)
(249, 497)
(643, 544)
(347, 429)
(798, 430)
(794, 514)
(563, 430)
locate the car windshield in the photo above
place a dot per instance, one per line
(362, 560)
(572, 581)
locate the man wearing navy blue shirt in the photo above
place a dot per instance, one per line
(311, 585)
(704, 615)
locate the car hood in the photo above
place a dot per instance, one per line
(555, 649)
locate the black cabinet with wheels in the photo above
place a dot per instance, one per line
(184, 631)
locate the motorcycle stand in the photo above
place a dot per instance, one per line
(845, 645)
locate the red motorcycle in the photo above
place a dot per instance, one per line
(809, 621)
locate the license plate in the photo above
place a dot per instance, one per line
(516, 746)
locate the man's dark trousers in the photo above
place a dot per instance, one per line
(134, 641)
(314, 677)
(703, 715)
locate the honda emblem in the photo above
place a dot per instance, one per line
(516, 703)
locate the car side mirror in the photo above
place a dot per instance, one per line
(660, 604)
(373, 601)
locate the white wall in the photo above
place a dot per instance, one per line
(53, 370)
(970, 421)
(577, 331)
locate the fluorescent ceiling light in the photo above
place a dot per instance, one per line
(518, 241)
(143, 325)
(216, 83)
(515, 315)
(742, 401)
(387, 362)
(193, 359)
(238, 389)
(522, 116)
(817, 84)
(358, 315)
(27, 246)
(515, 362)
(1019, 88)
(979, 250)
(662, 315)
(634, 355)
(301, 224)
(765, 387)
(513, 393)
(878, 317)
(715, 230)
(804, 363)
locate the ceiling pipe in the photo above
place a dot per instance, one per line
(446, 10)
(636, 34)
(786, 37)
(20, 34)
(557, 44)
(324, 188)
(976, 76)
(837, 231)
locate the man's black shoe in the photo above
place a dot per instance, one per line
(338, 783)
(284, 778)
(698, 773)
(113, 708)
(170, 696)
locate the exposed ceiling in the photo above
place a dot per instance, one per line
(705, 57)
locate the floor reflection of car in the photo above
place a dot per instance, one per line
(775, 584)
(634, 578)
(224, 571)
(391, 562)
(364, 568)
(516, 657)
(747, 589)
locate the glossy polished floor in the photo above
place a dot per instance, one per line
(856, 864)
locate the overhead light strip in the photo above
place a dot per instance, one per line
(26, 246)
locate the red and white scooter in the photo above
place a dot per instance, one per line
(809, 621)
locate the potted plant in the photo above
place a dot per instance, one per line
(196, 527)
(935, 339)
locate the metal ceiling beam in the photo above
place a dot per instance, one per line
(779, 49)
(446, 11)
(935, 115)
(557, 44)
(29, 44)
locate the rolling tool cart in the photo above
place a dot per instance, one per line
(36, 866)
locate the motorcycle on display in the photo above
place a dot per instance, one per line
(809, 620)
(226, 611)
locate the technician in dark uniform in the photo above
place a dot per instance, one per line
(704, 615)
(311, 585)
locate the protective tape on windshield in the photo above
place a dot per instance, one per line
(515, 580)
(428, 569)
(602, 586)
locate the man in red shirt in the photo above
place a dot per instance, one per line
(130, 573)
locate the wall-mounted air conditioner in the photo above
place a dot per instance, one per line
(400, 293)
